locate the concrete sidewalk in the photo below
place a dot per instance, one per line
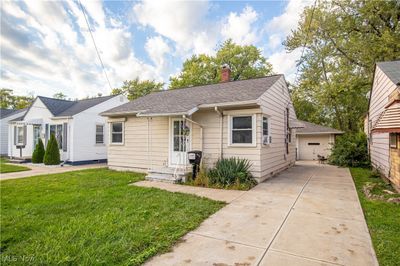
(211, 193)
(44, 170)
(308, 215)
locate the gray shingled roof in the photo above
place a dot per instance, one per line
(7, 112)
(391, 69)
(69, 108)
(184, 100)
(310, 128)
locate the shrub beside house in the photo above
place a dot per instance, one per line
(52, 154)
(38, 153)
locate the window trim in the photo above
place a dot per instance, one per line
(253, 131)
(123, 133)
(95, 134)
(269, 141)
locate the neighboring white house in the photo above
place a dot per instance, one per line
(250, 119)
(382, 123)
(81, 133)
(7, 115)
(313, 140)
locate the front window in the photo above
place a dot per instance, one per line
(57, 130)
(99, 134)
(117, 134)
(242, 130)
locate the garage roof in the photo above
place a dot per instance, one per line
(311, 128)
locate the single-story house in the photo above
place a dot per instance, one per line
(7, 115)
(251, 119)
(313, 140)
(382, 123)
(81, 133)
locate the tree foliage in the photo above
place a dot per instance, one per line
(343, 41)
(134, 89)
(38, 153)
(10, 101)
(52, 154)
(245, 62)
(60, 96)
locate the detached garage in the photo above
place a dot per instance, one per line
(313, 140)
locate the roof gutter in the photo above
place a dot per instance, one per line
(61, 117)
(318, 133)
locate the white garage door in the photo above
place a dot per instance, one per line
(310, 146)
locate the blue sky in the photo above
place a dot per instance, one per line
(46, 46)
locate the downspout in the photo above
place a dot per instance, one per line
(221, 120)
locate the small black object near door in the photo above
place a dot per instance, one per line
(195, 159)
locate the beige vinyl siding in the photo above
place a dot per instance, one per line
(210, 120)
(273, 103)
(142, 149)
(379, 144)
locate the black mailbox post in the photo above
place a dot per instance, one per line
(195, 159)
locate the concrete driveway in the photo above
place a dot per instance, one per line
(308, 215)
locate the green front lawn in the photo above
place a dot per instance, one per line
(383, 218)
(9, 168)
(93, 217)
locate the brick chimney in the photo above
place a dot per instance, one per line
(225, 73)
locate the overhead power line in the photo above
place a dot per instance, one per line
(306, 38)
(94, 43)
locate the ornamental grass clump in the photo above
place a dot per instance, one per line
(232, 172)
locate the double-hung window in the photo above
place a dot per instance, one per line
(99, 134)
(266, 139)
(242, 130)
(117, 133)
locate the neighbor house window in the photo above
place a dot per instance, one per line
(266, 131)
(36, 135)
(99, 134)
(242, 130)
(57, 131)
(117, 134)
(393, 141)
(20, 135)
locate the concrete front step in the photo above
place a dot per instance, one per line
(166, 175)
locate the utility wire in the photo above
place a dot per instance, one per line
(94, 43)
(306, 38)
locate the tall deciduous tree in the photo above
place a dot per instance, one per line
(134, 89)
(60, 96)
(343, 40)
(245, 62)
(10, 101)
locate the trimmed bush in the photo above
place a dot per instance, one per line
(231, 171)
(52, 154)
(350, 150)
(38, 153)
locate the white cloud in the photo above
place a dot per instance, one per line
(239, 27)
(53, 51)
(156, 47)
(278, 28)
(180, 21)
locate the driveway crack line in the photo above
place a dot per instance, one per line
(303, 257)
(230, 241)
(286, 217)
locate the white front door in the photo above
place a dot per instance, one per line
(180, 142)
